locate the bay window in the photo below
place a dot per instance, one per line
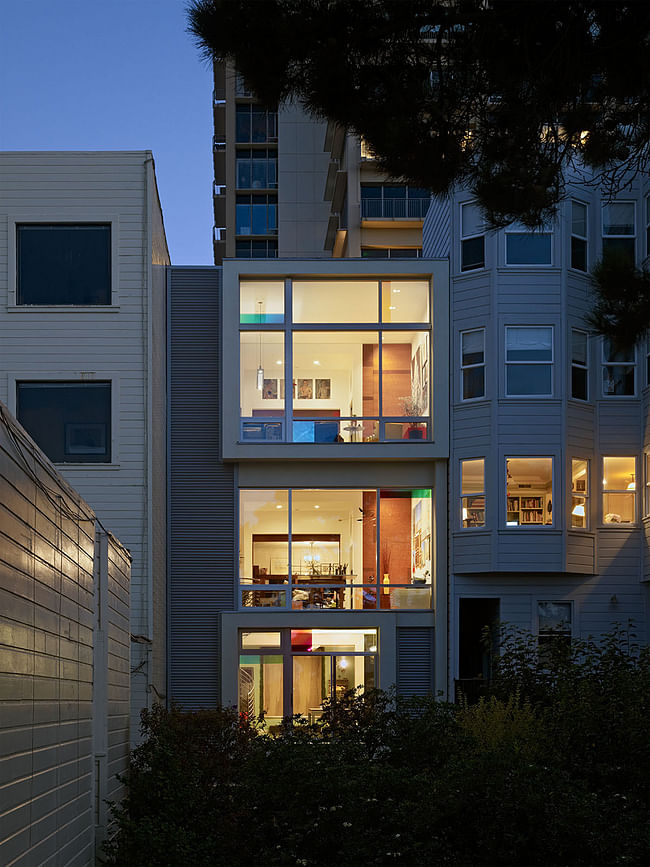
(527, 247)
(331, 549)
(472, 484)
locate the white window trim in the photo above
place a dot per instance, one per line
(521, 230)
(464, 367)
(63, 215)
(463, 237)
(633, 236)
(604, 364)
(628, 525)
(550, 363)
(573, 364)
(545, 527)
(76, 376)
(463, 496)
(572, 493)
(584, 238)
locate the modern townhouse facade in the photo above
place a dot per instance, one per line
(290, 186)
(307, 522)
(549, 472)
(82, 319)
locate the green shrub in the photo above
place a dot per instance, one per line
(551, 769)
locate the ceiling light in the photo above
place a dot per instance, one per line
(317, 362)
(279, 361)
(397, 291)
(317, 507)
(392, 308)
(278, 507)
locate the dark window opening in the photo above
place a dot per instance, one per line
(70, 421)
(63, 264)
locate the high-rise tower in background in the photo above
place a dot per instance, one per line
(287, 185)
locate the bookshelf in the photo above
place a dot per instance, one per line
(527, 511)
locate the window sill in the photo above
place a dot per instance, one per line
(64, 467)
(63, 308)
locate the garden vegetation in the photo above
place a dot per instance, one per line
(550, 767)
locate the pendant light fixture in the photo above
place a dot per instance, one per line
(260, 369)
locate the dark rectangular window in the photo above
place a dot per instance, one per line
(255, 124)
(579, 364)
(63, 263)
(472, 230)
(256, 215)
(256, 249)
(579, 236)
(70, 421)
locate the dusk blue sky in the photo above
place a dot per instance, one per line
(115, 75)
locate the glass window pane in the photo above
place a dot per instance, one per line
(472, 254)
(579, 254)
(243, 123)
(334, 640)
(528, 248)
(243, 224)
(260, 639)
(333, 536)
(613, 352)
(529, 490)
(528, 379)
(619, 247)
(335, 376)
(618, 218)
(529, 344)
(261, 374)
(261, 301)
(63, 264)
(554, 617)
(405, 374)
(619, 474)
(618, 380)
(243, 173)
(327, 301)
(405, 521)
(472, 346)
(263, 537)
(579, 383)
(473, 383)
(70, 421)
(579, 493)
(473, 476)
(579, 219)
(619, 508)
(578, 347)
(405, 300)
(472, 222)
(261, 688)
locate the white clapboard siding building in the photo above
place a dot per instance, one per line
(82, 352)
(549, 513)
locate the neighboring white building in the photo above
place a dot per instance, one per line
(549, 516)
(82, 353)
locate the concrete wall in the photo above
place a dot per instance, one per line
(64, 662)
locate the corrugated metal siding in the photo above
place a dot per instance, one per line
(201, 489)
(414, 660)
(436, 237)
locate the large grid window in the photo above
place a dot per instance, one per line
(330, 549)
(579, 236)
(472, 234)
(257, 169)
(354, 353)
(317, 665)
(619, 370)
(253, 123)
(70, 421)
(259, 249)
(619, 229)
(256, 214)
(63, 263)
(529, 492)
(529, 360)
(619, 490)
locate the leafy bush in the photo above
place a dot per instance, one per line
(551, 769)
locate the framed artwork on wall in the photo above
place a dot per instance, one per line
(323, 389)
(270, 390)
(305, 389)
